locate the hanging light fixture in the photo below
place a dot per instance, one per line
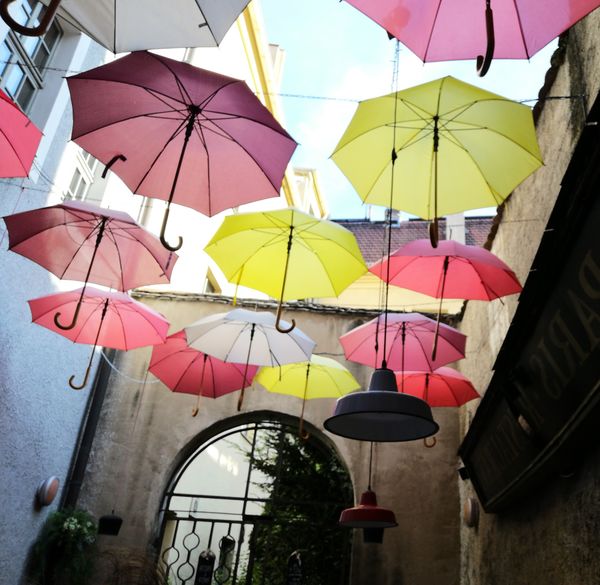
(381, 413)
(368, 515)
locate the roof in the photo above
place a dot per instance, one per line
(370, 235)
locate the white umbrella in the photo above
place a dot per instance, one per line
(249, 337)
(134, 25)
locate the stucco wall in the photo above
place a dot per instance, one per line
(144, 428)
(552, 537)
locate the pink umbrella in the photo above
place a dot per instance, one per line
(79, 241)
(181, 134)
(187, 370)
(447, 30)
(19, 139)
(109, 319)
(409, 337)
(443, 387)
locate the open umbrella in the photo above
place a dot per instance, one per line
(179, 133)
(132, 25)
(320, 377)
(79, 241)
(442, 387)
(446, 30)
(409, 337)
(443, 147)
(185, 369)
(249, 337)
(287, 254)
(19, 139)
(108, 319)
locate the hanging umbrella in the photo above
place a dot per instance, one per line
(249, 337)
(409, 337)
(444, 30)
(443, 387)
(19, 139)
(320, 377)
(130, 25)
(179, 133)
(444, 147)
(79, 241)
(451, 271)
(185, 369)
(108, 319)
(287, 254)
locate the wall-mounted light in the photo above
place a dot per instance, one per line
(46, 491)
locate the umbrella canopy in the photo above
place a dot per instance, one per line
(320, 377)
(453, 147)
(287, 254)
(109, 319)
(450, 271)
(132, 25)
(179, 133)
(447, 30)
(19, 139)
(79, 241)
(249, 337)
(443, 387)
(185, 369)
(409, 339)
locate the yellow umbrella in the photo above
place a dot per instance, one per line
(320, 377)
(438, 148)
(287, 254)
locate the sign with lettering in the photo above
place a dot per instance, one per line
(545, 393)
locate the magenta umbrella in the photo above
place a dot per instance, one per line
(179, 133)
(79, 241)
(447, 30)
(109, 319)
(443, 387)
(409, 337)
(184, 369)
(19, 139)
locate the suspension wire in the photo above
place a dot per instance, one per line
(370, 465)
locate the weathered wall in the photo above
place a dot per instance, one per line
(552, 538)
(143, 429)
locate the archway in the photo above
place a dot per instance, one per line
(247, 499)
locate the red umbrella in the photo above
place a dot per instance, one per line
(187, 370)
(79, 241)
(109, 319)
(181, 134)
(443, 387)
(19, 139)
(445, 30)
(449, 271)
(408, 336)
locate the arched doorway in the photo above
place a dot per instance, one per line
(247, 499)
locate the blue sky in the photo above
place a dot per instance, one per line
(333, 50)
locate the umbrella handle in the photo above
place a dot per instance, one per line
(36, 31)
(85, 378)
(304, 435)
(484, 62)
(162, 233)
(278, 321)
(430, 445)
(73, 322)
(240, 400)
(111, 162)
(434, 236)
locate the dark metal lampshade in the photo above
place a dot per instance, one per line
(381, 413)
(367, 514)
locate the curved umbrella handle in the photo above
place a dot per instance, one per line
(162, 234)
(36, 31)
(111, 162)
(73, 322)
(304, 435)
(85, 378)
(278, 321)
(240, 400)
(434, 236)
(431, 444)
(484, 62)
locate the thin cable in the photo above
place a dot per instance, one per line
(370, 465)
(114, 368)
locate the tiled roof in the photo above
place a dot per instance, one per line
(370, 235)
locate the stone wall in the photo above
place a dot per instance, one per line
(145, 428)
(552, 537)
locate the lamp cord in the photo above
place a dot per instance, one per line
(370, 465)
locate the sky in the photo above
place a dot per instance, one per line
(334, 51)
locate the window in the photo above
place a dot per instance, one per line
(23, 59)
(83, 177)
